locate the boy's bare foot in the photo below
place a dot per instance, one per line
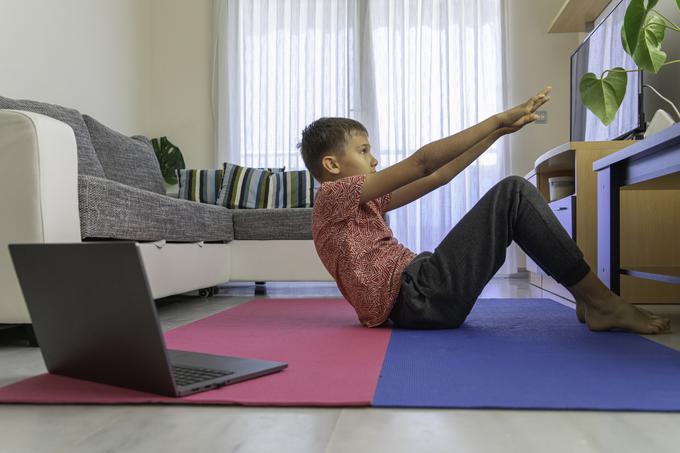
(581, 311)
(599, 320)
(619, 314)
(602, 309)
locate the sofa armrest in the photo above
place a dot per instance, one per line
(39, 159)
(38, 193)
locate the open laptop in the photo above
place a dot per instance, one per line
(95, 319)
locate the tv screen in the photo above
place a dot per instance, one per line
(602, 50)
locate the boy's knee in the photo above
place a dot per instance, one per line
(512, 183)
(515, 180)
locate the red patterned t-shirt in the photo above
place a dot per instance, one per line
(358, 249)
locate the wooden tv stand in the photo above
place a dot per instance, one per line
(642, 242)
(577, 213)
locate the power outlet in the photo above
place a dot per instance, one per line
(542, 117)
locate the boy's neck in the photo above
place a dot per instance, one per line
(331, 178)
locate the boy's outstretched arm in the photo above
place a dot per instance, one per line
(425, 161)
(433, 156)
(440, 152)
(442, 176)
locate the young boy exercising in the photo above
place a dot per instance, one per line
(384, 280)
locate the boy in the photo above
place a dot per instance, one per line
(384, 280)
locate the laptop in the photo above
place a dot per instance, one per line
(95, 319)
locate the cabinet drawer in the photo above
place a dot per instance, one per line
(565, 211)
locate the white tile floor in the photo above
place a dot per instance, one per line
(168, 429)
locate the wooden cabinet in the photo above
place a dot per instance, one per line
(649, 219)
(577, 212)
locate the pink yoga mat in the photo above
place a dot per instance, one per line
(332, 360)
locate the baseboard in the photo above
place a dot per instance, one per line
(521, 273)
(550, 285)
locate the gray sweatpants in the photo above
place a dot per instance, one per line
(439, 289)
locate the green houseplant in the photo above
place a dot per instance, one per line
(170, 159)
(643, 31)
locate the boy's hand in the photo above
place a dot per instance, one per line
(517, 117)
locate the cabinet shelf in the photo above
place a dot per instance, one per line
(560, 158)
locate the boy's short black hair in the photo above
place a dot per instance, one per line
(323, 136)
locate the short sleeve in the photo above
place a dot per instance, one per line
(384, 201)
(339, 199)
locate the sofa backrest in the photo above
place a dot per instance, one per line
(128, 160)
(102, 152)
(88, 162)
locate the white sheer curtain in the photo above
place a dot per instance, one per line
(438, 70)
(412, 71)
(280, 64)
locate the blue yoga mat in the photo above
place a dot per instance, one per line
(527, 354)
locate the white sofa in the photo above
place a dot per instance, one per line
(39, 204)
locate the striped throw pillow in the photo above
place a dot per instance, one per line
(244, 187)
(200, 185)
(292, 189)
(204, 185)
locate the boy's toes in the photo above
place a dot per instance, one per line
(660, 324)
(661, 320)
(649, 314)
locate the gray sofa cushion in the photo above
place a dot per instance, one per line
(271, 224)
(128, 160)
(112, 210)
(88, 163)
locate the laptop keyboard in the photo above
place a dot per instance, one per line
(185, 375)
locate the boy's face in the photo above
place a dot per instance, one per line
(356, 159)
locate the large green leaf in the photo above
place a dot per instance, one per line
(648, 54)
(603, 96)
(635, 18)
(632, 22)
(169, 158)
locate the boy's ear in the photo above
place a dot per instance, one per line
(330, 164)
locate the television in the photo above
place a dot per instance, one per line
(602, 49)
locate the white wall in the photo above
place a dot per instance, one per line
(535, 59)
(179, 77)
(138, 66)
(85, 54)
